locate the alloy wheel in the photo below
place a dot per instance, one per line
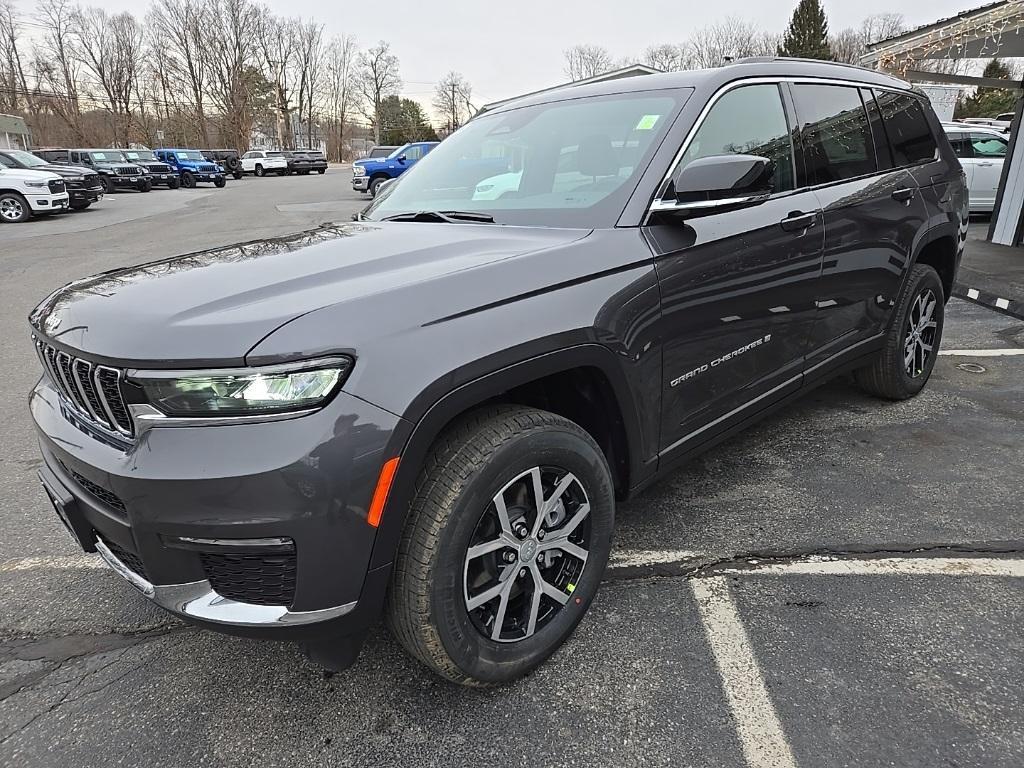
(11, 209)
(920, 334)
(527, 554)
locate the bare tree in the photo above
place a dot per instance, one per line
(232, 59)
(668, 57)
(55, 64)
(13, 85)
(730, 39)
(278, 42)
(847, 46)
(176, 49)
(452, 100)
(583, 61)
(882, 26)
(309, 66)
(377, 78)
(340, 61)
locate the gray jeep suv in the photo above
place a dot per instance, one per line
(428, 414)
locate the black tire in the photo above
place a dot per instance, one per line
(174, 183)
(108, 185)
(321, 171)
(147, 186)
(259, 170)
(14, 209)
(467, 468)
(237, 174)
(220, 182)
(232, 163)
(80, 205)
(891, 375)
(375, 185)
(188, 180)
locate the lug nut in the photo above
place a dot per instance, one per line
(521, 531)
(540, 535)
(509, 556)
(522, 572)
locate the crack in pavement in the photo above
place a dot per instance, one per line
(56, 652)
(698, 566)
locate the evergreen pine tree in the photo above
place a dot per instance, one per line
(807, 34)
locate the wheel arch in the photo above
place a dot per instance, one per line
(581, 383)
(939, 248)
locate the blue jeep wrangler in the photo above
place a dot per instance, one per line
(369, 173)
(192, 166)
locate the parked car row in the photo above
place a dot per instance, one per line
(57, 179)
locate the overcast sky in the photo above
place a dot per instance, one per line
(513, 47)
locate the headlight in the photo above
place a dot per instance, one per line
(244, 391)
(37, 184)
(358, 170)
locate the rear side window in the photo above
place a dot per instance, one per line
(836, 136)
(883, 152)
(909, 133)
(987, 145)
(731, 128)
(961, 144)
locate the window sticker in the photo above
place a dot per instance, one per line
(647, 122)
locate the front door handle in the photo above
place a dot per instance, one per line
(798, 221)
(904, 194)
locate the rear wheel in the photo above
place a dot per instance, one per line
(14, 208)
(188, 179)
(505, 544)
(906, 361)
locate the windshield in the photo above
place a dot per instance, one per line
(133, 155)
(26, 158)
(399, 151)
(110, 156)
(190, 155)
(568, 163)
(276, 154)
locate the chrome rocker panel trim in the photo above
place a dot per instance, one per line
(198, 600)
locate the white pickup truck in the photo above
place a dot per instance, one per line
(25, 193)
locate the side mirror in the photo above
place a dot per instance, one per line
(719, 181)
(401, 159)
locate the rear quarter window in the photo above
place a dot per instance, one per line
(909, 132)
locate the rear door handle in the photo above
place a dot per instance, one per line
(904, 194)
(798, 221)
(985, 164)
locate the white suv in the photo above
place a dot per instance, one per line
(263, 161)
(25, 193)
(981, 151)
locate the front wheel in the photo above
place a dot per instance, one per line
(220, 182)
(504, 547)
(321, 171)
(81, 205)
(14, 208)
(374, 186)
(174, 183)
(259, 170)
(188, 179)
(906, 361)
(108, 185)
(147, 186)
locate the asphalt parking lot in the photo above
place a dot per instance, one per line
(839, 586)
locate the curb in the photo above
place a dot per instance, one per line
(1009, 307)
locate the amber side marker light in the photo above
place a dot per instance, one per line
(380, 494)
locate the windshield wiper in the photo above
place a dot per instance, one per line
(449, 217)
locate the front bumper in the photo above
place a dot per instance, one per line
(85, 194)
(360, 183)
(307, 480)
(132, 182)
(165, 179)
(47, 202)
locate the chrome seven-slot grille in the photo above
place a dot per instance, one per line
(92, 391)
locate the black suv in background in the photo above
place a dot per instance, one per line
(83, 185)
(317, 161)
(299, 163)
(430, 413)
(160, 173)
(228, 159)
(114, 171)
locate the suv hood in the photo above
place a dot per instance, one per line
(66, 171)
(212, 307)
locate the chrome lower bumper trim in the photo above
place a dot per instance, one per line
(198, 600)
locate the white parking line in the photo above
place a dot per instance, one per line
(894, 566)
(982, 352)
(761, 736)
(57, 563)
(631, 558)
